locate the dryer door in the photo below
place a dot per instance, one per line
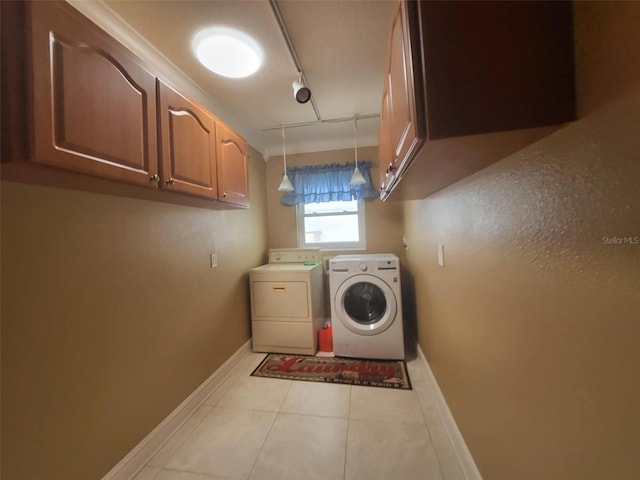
(365, 304)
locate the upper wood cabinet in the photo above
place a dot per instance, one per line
(482, 80)
(188, 145)
(232, 155)
(94, 107)
(75, 99)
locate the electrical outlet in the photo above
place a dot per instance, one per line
(214, 260)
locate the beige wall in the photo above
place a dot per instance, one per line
(532, 327)
(111, 317)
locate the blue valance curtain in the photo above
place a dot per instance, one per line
(327, 183)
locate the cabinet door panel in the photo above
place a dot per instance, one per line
(188, 137)
(401, 124)
(385, 153)
(401, 93)
(232, 166)
(94, 106)
(188, 145)
(75, 70)
(402, 130)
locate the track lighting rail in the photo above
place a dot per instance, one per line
(292, 51)
(319, 122)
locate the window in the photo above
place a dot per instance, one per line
(330, 211)
(337, 225)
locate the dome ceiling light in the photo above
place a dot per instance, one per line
(228, 52)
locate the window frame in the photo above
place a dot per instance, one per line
(361, 244)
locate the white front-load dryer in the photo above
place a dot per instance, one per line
(366, 306)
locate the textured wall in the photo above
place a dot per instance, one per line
(111, 317)
(532, 327)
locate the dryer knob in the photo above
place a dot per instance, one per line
(363, 267)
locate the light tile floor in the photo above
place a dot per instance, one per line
(269, 429)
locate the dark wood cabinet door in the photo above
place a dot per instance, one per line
(94, 105)
(188, 145)
(233, 185)
(400, 132)
(385, 153)
(401, 123)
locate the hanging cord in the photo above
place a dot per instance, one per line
(357, 178)
(285, 184)
(284, 150)
(355, 138)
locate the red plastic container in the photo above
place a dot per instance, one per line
(325, 338)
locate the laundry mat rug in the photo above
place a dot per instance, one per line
(350, 371)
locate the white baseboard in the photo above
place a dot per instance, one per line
(468, 466)
(137, 458)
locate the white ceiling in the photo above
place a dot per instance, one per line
(341, 45)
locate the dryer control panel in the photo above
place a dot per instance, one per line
(294, 255)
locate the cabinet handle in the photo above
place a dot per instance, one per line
(171, 181)
(224, 195)
(154, 178)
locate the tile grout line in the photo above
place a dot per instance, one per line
(346, 445)
(426, 424)
(134, 461)
(266, 437)
(175, 451)
(191, 472)
(235, 372)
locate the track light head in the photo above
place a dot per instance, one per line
(301, 92)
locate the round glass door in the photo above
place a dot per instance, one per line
(365, 304)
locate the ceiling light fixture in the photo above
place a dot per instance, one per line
(356, 177)
(301, 92)
(285, 184)
(227, 52)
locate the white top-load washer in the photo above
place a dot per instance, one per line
(366, 306)
(287, 301)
